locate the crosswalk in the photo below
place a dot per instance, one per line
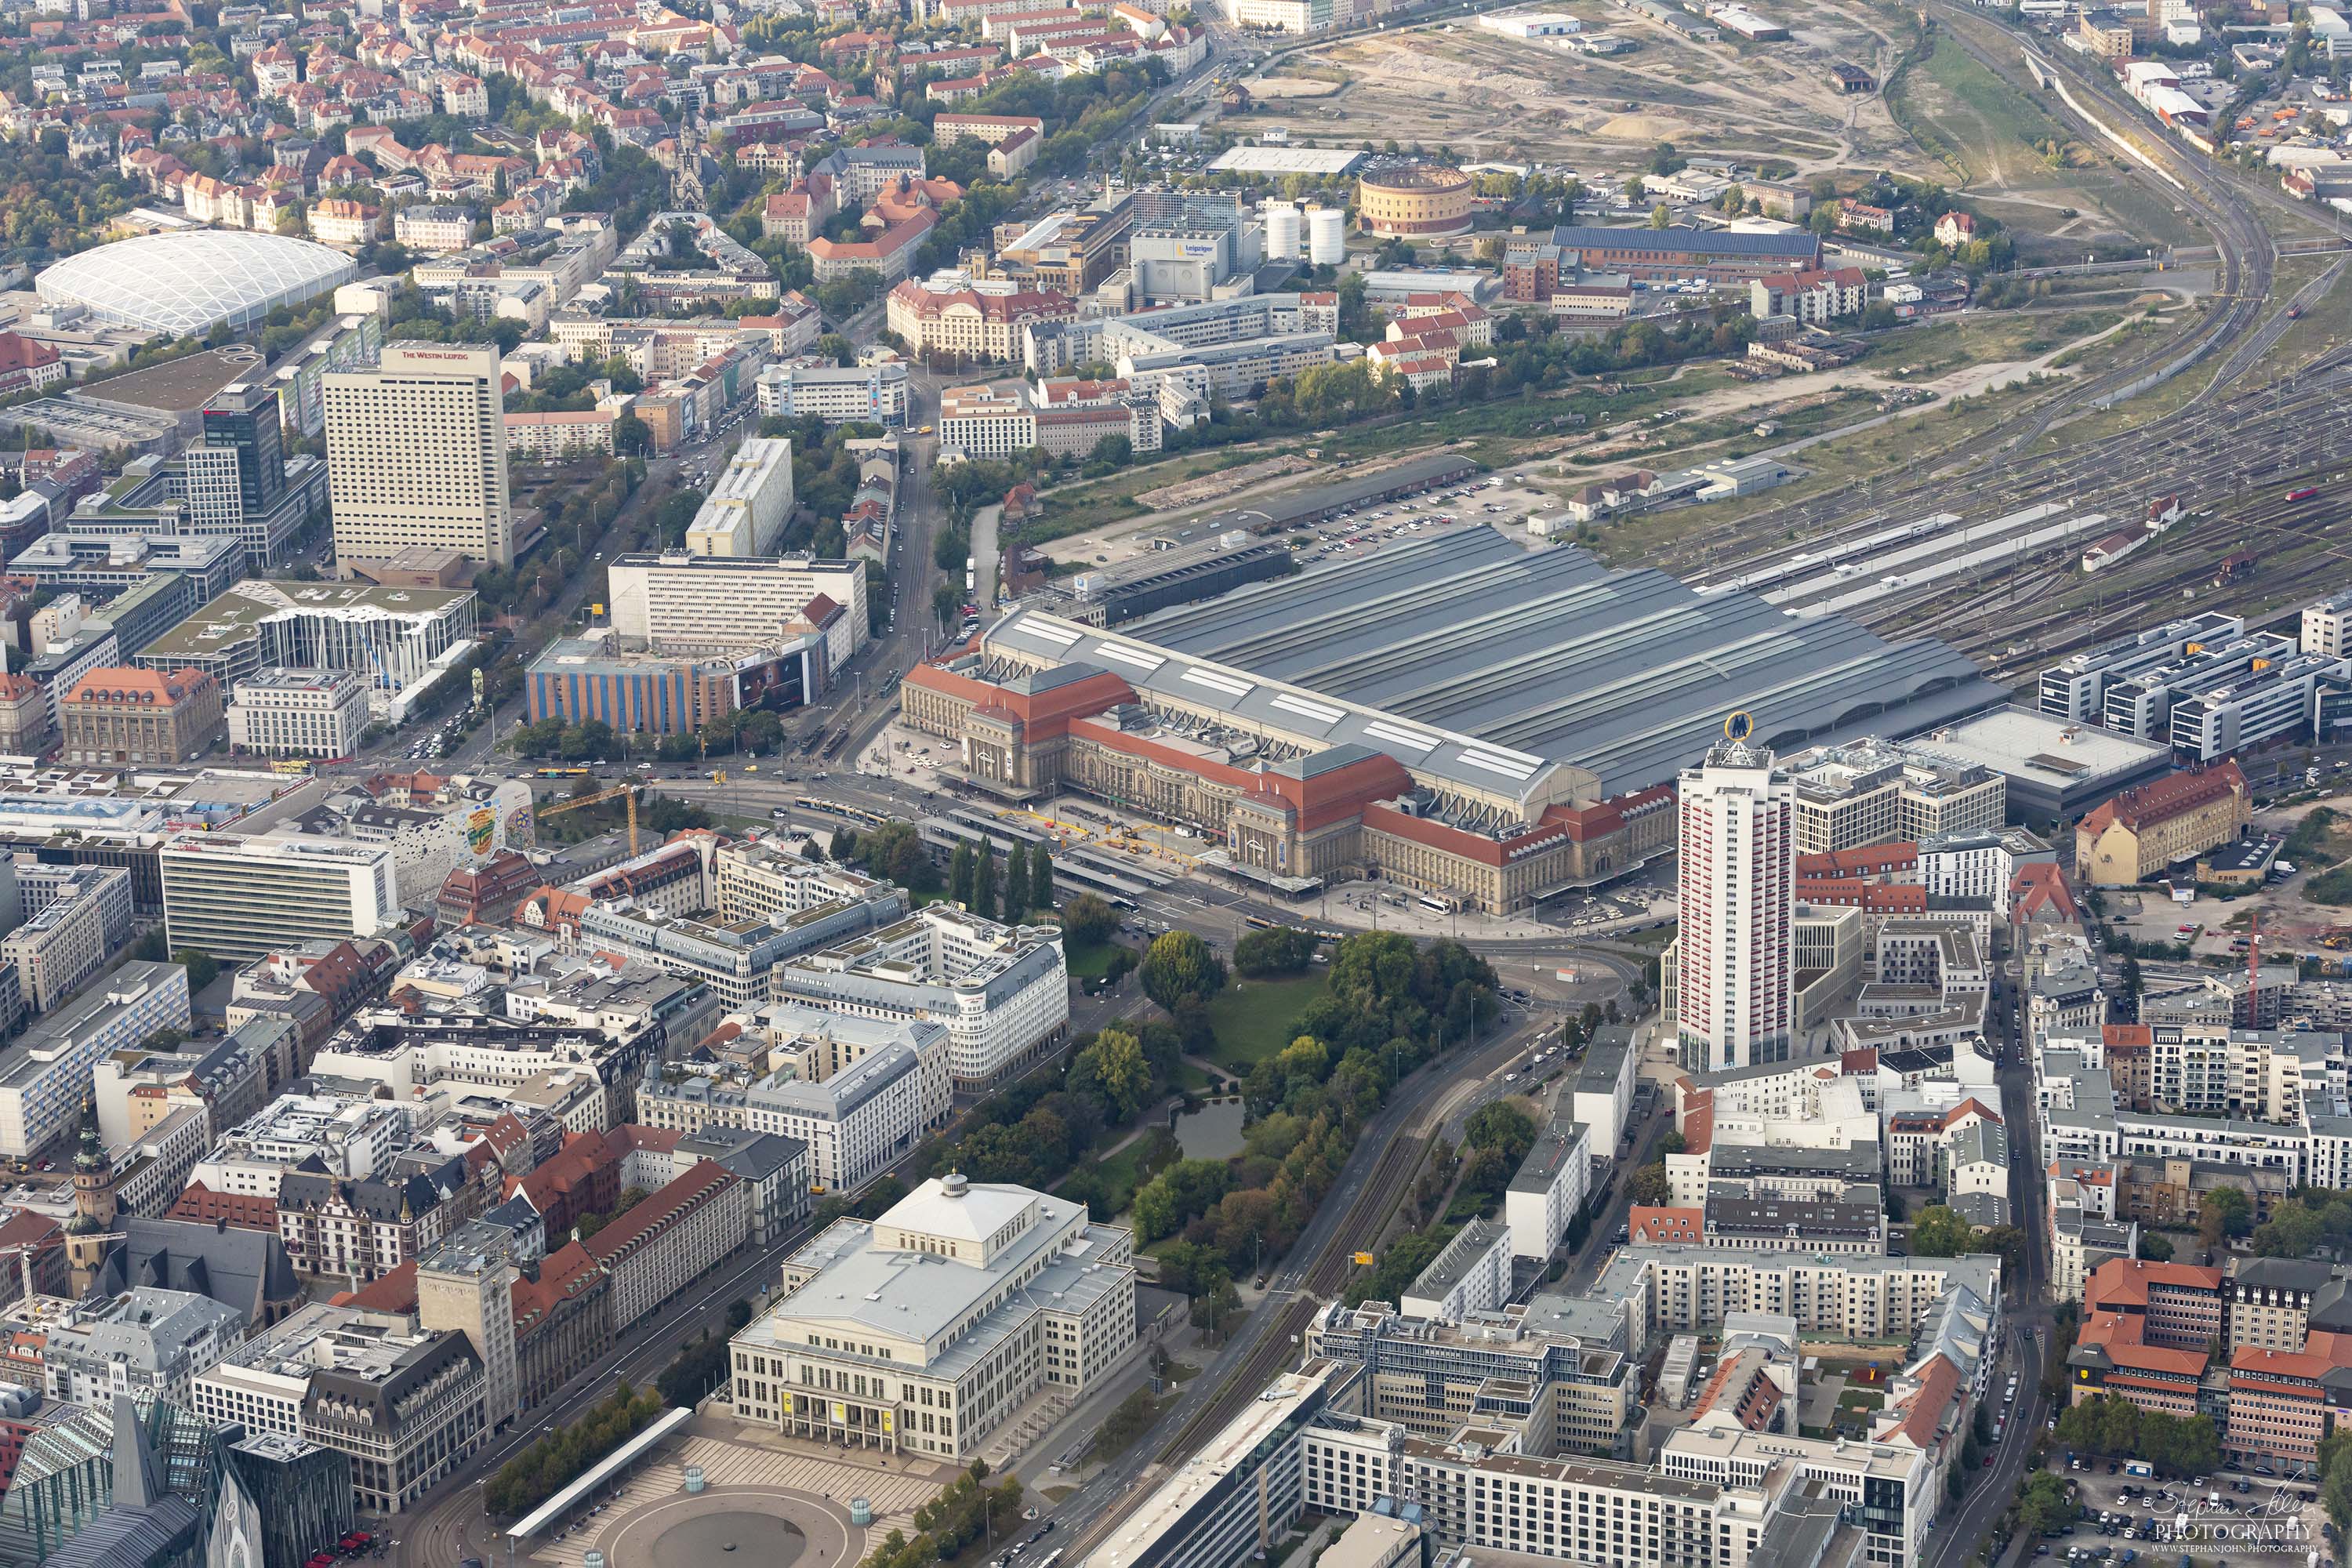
(895, 1494)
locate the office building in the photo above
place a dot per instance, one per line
(2139, 833)
(987, 423)
(299, 713)
(297, 1493)
(239, 898)
(977, 1297)
(132, 718)
(45, 1075)
(1733, 989)
(243, 445)
(1874, 792)
(406, 1404)
(670, 1238)
(1002, 991)
(838, 394)
(574, 680)
(148, 1343)
(100, 566)
(747, 505)
(685, 603)
(397, 639)
(2325, 624)
(416, 455)
(1576, 1389)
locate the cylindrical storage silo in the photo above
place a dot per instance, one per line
(1281, 231)
(1327, 236)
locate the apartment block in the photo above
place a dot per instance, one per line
(45, 1074)
(83, 919)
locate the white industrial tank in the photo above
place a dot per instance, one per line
(1327, 236)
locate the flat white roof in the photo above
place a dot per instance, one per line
(1288, 159)
(597, 1474)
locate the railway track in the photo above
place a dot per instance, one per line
(1322, 1280)
(2003, 458)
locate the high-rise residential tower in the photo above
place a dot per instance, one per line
(1734, 992)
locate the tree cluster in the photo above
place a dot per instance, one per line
(2320, 1217)
(1274, 950)
(555, 1461)
(1035, 1135)
(966, 1513)
(2107, 1424)
(1025, 882)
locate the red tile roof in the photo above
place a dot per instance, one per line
(2126, 1281)
(2166, 798)
(1645, 1222)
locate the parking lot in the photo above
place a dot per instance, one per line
(2128, 1519)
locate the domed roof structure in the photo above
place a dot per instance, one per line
(184, 283)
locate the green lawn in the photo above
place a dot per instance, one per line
(1251, 1018)
(1122, 1172)
(1091, 962)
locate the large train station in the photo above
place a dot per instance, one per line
(1476, 719)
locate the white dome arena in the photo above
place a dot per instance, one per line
(183, 283)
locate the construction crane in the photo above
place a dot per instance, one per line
(24, 1251)
(625, 791)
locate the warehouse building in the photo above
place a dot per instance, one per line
(1487, 723)
(1687, 252)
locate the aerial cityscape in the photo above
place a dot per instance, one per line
(1175, 783)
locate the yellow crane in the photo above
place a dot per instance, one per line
(626, 791)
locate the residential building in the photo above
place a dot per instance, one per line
(1815, 297)
(416, 455)
(1546, 1195)
(140, 718)
(1733, 980)
(1472, 1273)
(82, 919)
(972, 1298)
(45, 1074)
(746, 508)
(299, 713)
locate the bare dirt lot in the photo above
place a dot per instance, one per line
(1489, 97)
